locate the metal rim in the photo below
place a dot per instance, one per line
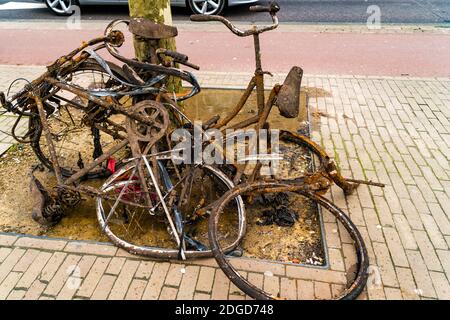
(164, 252)
(350, 293)
(60, 6)
(206, 6)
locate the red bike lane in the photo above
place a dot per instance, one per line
(387, 54)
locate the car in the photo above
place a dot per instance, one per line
(63, 7)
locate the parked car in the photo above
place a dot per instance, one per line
(62, 7)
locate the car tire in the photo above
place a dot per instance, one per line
(207, 6)
(61, 7)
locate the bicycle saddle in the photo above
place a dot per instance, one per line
(288, 100)
(148, 29)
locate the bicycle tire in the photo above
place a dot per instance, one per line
(352, 292)
(35, 123)
(165, 253)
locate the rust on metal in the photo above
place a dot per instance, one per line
(148, 29)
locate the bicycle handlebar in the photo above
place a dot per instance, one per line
(272, 8)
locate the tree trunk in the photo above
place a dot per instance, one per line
(157, 11)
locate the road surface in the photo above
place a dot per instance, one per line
(306, 11)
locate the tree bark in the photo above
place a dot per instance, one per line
(157, 11)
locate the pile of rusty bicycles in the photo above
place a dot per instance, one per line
(92, 119)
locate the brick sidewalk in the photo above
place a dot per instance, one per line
(393, 130)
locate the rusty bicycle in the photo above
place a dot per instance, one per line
(90, 118)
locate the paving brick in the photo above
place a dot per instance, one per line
(7, 240)
(90, 248)
(144, 270)
(234, 290)
(72, 283)
(407, 285)
(16, 295)
(433, 232)
(418, 200)
(447, 239)
(315, 274)
(305, 290)
(136, 289)
(427, 250)
(441, 284)
(393, 293)
(60, 277)
(115, 265)
(4, 252)
(384, 211)
(405, 232)
(201, 296)
(93, 277)
(104, 287)
(337, 290)
(426, 191)
(385, 265)
(205, 279)
(440, 217)
(52, 266)
(40, 243)
(170, 293)
(336, 259)
(373, 225)
(220, 287)
(257, 279)
(10, 261)
(444, 201)
(33, 270)
(8, 284)
(123, 281)
(395, 247)
(332, 235)
(288, 288)
(24, 262)
(156, 281)
(257, 266)
(175, 274)
(322, 290)
(444, 257)
(271, 285)
(411, 214)
(188, 283)
(431, 178)
(421, 274)
(35, 290)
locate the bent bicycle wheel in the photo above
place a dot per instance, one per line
(72, 123)
(129, 223)
(265, 285)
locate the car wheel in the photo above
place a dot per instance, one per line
(60, 7)
(207, 6)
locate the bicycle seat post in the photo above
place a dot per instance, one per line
(259, 74)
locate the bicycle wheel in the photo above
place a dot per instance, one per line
(257, 291)
(130, 224)
(72, 123)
